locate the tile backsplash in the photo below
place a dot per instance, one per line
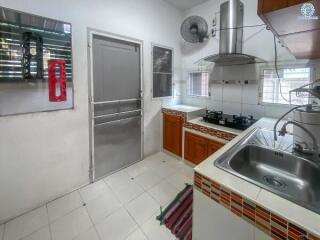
(238, 98)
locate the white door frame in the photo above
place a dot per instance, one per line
(92, 32)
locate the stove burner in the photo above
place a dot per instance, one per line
(232, 121)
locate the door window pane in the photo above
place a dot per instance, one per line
(162, 72)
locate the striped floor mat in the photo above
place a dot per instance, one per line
(178, 215)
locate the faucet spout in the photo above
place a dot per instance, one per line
(283, 132)
(283, 116)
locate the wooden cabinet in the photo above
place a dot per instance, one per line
(197, 148)
(266, 6)
(214, 146)
(284, 18)
(172, 134)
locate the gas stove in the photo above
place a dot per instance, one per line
(238, 122)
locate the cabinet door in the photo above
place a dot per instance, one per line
(213, 146)
(195, 148)
(172, 134)
(266, 6)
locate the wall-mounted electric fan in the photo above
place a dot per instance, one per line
(194, 29)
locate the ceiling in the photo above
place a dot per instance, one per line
(185, 4)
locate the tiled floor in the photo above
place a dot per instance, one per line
(122, 206)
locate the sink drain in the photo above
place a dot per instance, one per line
(274, 181)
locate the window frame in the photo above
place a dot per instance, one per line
(281, 66)
(152, 73)
(188, 84)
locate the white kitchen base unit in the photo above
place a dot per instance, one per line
(213, 221)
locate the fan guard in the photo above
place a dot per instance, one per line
(194, 29)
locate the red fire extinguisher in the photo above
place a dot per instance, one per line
(53, 64)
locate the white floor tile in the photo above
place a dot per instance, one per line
(187, 171)
(71, 225)
(163, 193)
(90, 234)
(138, 168)
(165, 170)
(94, 191)
(1, 231)
(42, 234)
(155, 231)
(118, 179)
(117, 226)
(148, 179)
(128, 192)
(102, 206)
(142, 208)
(178, 180)
(26, 224)
(64, 205)
(137, 235)
(161, 175)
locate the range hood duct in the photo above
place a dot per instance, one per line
(231, 37)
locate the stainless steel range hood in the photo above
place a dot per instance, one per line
(231, 37)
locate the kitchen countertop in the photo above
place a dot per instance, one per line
(289, 210)
(200, 122)
(184, 108)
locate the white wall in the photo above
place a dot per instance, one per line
(235, 99)
(45, 155)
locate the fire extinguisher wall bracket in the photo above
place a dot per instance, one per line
(53, 64)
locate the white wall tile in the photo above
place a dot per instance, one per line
(257, 111)
(232, 93)
(216, 92)
(231, 108)
(250, 94)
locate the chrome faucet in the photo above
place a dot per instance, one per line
(299, 148)
(308, 106)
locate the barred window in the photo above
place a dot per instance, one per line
(277, 92)
(198, 84)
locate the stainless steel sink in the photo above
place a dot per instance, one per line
(270, 167)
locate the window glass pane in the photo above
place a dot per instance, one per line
(199, 84)
(274, 92)
(162, 72)
(162, 60)
(162, 85)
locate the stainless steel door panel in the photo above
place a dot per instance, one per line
(106, 108)
(117, 144)
(114, 63)
(117, 116)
